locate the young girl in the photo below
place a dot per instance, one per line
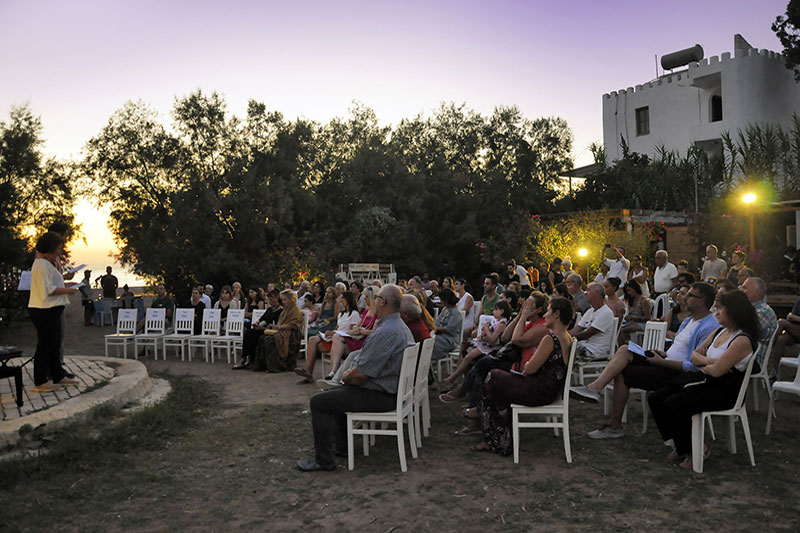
(485, 343)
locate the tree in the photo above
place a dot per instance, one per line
(787, 28)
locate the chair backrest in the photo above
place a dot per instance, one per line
(424, 362)
(463, 318)
(405, 386)
(764, 364)
(660, 306)
(476, 310)
(655, 335)
(234, 325)
(126, 322)
(745, 383)
(257, 314)
(155, 321)
(612, 348)
(211, 321)
(565, 394)
(306, 314)
(184, 321)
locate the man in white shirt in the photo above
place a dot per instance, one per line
(205, 295)
(714, 267)
(665, 273)
(596, 328)
(617, 268)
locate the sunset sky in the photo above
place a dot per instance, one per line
(76, 62)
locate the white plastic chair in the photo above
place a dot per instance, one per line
(739, 410)
(554, 411)
(155, 324)
(763, 373)
(595, 368)
(304, 332)
(661, 301)
(106, 309)
(363, 423)
(210, 331)
(789, 387)
(422, 405)
(655, 335)
(184, 329)
(126, 332)
(234, 334)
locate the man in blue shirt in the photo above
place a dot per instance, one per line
(370, 385)
(628, 370)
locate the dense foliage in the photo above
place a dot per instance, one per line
(217, 197)
(787, 28)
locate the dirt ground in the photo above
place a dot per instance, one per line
(233, 469)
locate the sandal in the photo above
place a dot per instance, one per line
(481, 447)
(469, 431)
(242, 364)
(305, 374)
(446, 398)
(687, 463)
(471, 413)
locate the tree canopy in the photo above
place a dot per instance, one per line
(787, 28)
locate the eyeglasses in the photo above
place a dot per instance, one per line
(691, 295)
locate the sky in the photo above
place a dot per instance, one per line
(77, 62)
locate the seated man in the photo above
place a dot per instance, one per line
(370, 385)
(756, 291)
(574, 284)
(628, 370)
(161, 301)
(790, 332)
(595, 329)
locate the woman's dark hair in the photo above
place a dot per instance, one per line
(741, 254)
(504, 307)
(59, 227)
(725, 282)
(462, 281)
(562, 291)
(310, 297)
(226, 288)
(358, 284)
(451, 280)
(448, 297)
(274, 293)
(321, 286)
(564, 309)
(512, 298)
(548, 287)
(350, 300)
(48, 242)
(742, 313)
(615, 282)
(632, 284)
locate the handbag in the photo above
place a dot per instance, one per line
(510, 352)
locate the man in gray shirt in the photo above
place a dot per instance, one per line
(574, 285)
(371, 385)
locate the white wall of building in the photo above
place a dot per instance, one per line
(755, 87)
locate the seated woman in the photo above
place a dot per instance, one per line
(722, 360)
(279, 346)
(327, 312)
(319, 292)
(324, 341)
(253, 334)
(465, 303)
(485, 343)
(638, 311)
(254, 301)
(448, 325)
(344, 344)
(313, 312)
(611, 285)
(678, 312)
(198, 306)
(541, 381)
(225, 302)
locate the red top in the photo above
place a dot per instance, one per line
(418, 330)
(527, 353)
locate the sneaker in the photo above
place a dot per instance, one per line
(584, 394)
(607, 432)
(328, 384)
(44, 387)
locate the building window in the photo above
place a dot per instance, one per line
(716, 108)
(642, 121)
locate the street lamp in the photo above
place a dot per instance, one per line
(583, 253)
(749, 199)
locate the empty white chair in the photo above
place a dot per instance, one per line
(126, 332)
(184, 329)
(422, 406)
(789, 387)
(234, 333)
(554, 411)
(762, 373)
(739, 410)
(364, 423)
(155, 324)
(106, 311)
(594, 368)
(210, 331)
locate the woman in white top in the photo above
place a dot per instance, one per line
(48, 298)
(722, 359)
(639, 273)
(349, 316)
(465, 303)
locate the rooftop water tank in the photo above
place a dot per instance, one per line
(682, 57)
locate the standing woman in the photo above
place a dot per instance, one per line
(48, 298)
(737, 264)
(638, 273)
(465, 303)
(722, 359)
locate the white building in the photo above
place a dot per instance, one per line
(694, 106)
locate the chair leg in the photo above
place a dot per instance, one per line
(645, 411)
(711, 428)
(412, 436)
(732, 434)
(606, 401)
(755, 394)
(417, 411)
(515, 435)
(567, 447)
(770, 413)
(747, 439)
(698, 434)
(350, 451)
(401, 447)
(426, 415)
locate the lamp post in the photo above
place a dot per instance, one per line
(583, 253)
(748, 200)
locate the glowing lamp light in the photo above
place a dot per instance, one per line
(582, 252)
(749, 198)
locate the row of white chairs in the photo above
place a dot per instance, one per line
(212, 340)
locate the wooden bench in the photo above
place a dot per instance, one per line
(6, 354)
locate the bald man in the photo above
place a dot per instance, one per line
(370, 385)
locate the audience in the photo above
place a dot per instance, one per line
(737, 263)
(448, 325)
(574, 284)
(595, 329)
(278, 348)
(637, 311)
(714, 268)
(411, 313)
(323, 342)
(664, 275)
